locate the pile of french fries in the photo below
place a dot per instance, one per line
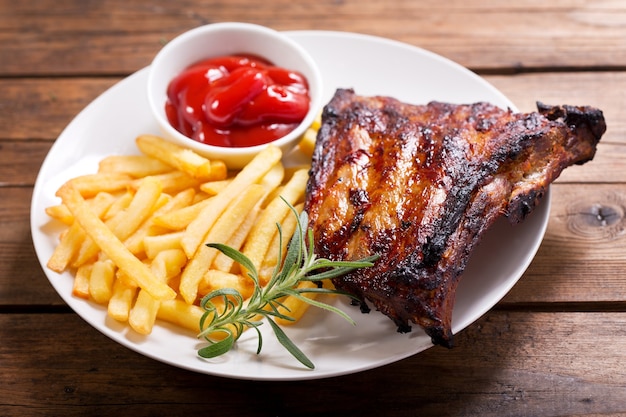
(137, 230)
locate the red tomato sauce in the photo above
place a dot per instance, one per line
(236, 101)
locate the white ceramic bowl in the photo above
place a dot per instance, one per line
(229, 38)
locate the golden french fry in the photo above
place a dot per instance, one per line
(121, 300)
(111, 245)
(143, 314)
(126, 221)
(214, 187)
(101, 281)
(292, 169)
(180, 219)
(153, 245)
(288, 225)
(307, 143)
(224, 263)
(140, 208)
(80, 287)
(181, 158)
(137, 166)
(272, 182)
(171, 182)
(162, 207)
(121, 203)
(221, 232)
(215, 279)
(165, 266)
(250, 174)
(168, 264)
(264, 230)
(72, 240)
(67, 249)
(91, 184)
(273, 178)
(181, 314)
(135, 241)
(60, 213)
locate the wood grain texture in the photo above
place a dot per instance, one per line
(39, 109)
(506, 364)
(583, 255)
(554, 346)
(74, 37)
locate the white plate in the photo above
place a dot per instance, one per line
(371, 66)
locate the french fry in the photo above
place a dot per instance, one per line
(181, 158)
(224, 263)
(143, 253)
(121, 203)
(60, 213)
(307, 143)
(214, 187)
(126, 221)
(215, 279)
(101, 281)
(135, 242)
(137, 166)
(180, 219)
(68, 247)
(153, 245)
(181, 314)
(80, 288)
(250, 174)
(71, 242)
(274, 177)
(221, 232)
(288, 226)
(187, 316)
(111, 245)
(121, 300)
(263, 231)
(140, 208)
(171, 182)
(165, 266)
(91, 184)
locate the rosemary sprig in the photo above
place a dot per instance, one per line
(222, 325)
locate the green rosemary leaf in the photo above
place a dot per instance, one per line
(216, 349)
(290, 346)
(259, 338)
(292, 257)
(236, 256)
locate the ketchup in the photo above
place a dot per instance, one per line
(236, 101)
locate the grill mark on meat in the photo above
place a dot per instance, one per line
(420, 185)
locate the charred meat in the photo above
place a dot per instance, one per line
(420, 184)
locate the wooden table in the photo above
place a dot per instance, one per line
(554, 346)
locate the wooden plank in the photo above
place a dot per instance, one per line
(599, 89)
(583, 255)
(506, 364)
(77, 37)
(20, 162)
(41, 108)
(22, 281)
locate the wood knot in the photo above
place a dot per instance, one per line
(600, 220)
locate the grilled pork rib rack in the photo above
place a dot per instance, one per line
(420, 184)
